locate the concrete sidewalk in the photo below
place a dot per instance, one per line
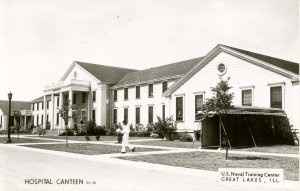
(170, 149)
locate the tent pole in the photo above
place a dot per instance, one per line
(226, 134)
(250, 132)
(220, 131)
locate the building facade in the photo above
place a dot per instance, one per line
(108, 95)
(16, 106)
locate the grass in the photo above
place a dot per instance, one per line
(93, 138)
(169, 143)
(213, 161)
(87, 149)
(286, 149)
(22, 140)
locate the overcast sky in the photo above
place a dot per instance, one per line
(39, 39)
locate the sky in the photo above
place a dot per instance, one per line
(39, 39)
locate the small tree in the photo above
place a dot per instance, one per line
(218, 105)
(17, 117)
(164, 128)
(64, 113)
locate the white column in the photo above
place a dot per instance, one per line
(52, 111)
(25, 120)
(61, 101)
(89, 105)
(45, 111)
(70, 122)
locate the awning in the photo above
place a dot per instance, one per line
(246, 110)
(256, 111)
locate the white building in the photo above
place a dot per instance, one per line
(20, 106)
(261, 84)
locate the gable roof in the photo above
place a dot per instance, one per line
(15, 105)
(170, 70)
(284, 64)
(40, 99)
(283, 67)
(105, 73)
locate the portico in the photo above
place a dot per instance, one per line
(67, 91)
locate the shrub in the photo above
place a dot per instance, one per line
(164, 128)
(283, 133)
(3, 131)
(87, 137)
(88, 128)
(67, 132)
(185, 137)
(100, 130)
(140, 131)
(25, 129)
(40, 131)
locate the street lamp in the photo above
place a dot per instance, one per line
(9, 107)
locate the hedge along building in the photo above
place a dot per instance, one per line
(20, 106)
(263, 87)
(109, 95)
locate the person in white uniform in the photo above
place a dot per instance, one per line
(126, 131)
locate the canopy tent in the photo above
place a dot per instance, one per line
(238, 117)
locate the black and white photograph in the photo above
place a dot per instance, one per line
(149, 95)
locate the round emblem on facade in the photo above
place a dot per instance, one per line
(221, 69)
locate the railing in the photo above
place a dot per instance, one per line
(72, 82)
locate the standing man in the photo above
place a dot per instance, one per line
(126, 131)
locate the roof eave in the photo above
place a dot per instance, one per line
(220, 48)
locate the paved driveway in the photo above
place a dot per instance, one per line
(18, 164)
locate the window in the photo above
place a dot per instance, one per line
(74, 99)
(57, 103)
(276, 97)
(83, 95)
(198, 103)
(115, 95)
(150, 90)
(164, 86)
(163, 112)
(247, 97)
(94, 95)
(150, 114)
(37, 120)
(42, 121)
(137, 115)
(125, 93)
(42, 105)
(83, 115)
(126, 114)
(137, 92)
(179, 108)
(94, 115)
(38, 104)
(33, 107)
(47, 104)
(115, 116)
(47, 117)
(57, 118)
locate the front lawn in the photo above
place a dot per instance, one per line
(163, 143)
(93, 138)
(286, 149)
(22, 140)
(212, 161)
(87, 149)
